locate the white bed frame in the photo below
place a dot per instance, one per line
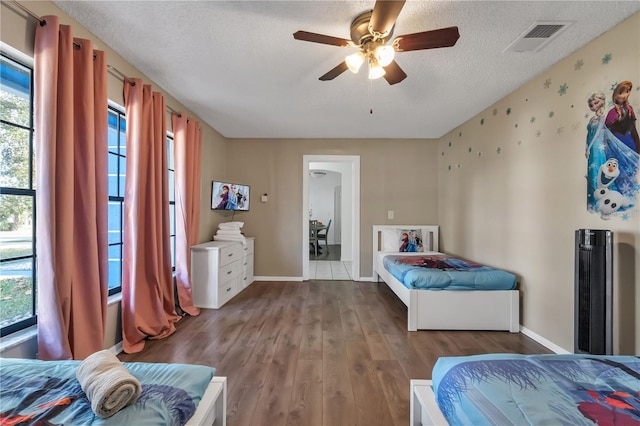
(447, 310)
(212, 409)
(424, 409)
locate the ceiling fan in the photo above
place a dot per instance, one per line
(370, 32)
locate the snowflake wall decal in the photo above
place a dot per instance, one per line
(579, 64)
(533, 119)
(547, 83)
(551, 114)
(495, 111)
(606, 59)
(560, 130)
(508, 111)
(538, 134)
(498, 150)
(613, 87)
(563, 89)
(481, 121)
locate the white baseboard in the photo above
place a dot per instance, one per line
(544, 342)
(277, 279)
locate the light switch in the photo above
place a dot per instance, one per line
(264, 198)
(390, 214)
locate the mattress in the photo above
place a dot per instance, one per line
(439, 271)
(47, 392)
(538, 389)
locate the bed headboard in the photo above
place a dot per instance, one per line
(386, 237)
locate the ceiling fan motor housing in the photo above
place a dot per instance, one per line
(360, 34)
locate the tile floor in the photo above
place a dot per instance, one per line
(329, 270)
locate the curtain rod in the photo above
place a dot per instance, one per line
(112, 70)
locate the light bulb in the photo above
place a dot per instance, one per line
(375, 70)
(354, 62)
(384, 55)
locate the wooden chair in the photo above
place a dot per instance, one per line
(322, 235)
(313, 234)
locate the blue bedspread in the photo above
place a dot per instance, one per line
(444, 272)
(504, 389)
(47, 392)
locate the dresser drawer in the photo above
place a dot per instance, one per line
(230, 253)
(227, 289)
(229, 270)
(248, 248)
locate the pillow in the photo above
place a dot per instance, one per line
(402, 240)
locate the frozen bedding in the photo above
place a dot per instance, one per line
(47, 392)
(438, 271)
(538, 389)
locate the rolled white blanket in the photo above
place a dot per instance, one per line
(107, 383)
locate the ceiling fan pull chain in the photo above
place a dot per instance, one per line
(370, 95)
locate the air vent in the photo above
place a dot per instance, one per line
(537, 36)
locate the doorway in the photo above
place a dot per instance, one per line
(348, 166)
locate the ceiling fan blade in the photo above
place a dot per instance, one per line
(393, 73)
(444, 37)
(384, 15)
(320, 38)
(339, 69)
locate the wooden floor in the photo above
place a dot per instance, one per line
(318, 353)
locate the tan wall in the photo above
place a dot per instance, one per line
(518, 208)
(399, 175)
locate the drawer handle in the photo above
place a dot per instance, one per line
(229, 289)
(229, 272)
(245, 263)
(244, 279)
(230, 255)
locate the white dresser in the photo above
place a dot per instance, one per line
(219, 271)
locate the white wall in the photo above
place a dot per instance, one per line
(344, 170)
(321, 200)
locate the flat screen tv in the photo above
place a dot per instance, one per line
(230, 196)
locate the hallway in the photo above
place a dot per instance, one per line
(329, 270)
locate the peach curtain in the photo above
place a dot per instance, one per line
(187, 140)
(148, 310)
(71, 192)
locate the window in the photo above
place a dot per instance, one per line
(17, 196)
(117, 168)
(172, 200)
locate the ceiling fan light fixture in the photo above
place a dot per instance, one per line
(384, 55)
(375, 70)
(355, 61)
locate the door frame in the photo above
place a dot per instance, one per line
(354, 161)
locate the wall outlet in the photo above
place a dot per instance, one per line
(390, 214)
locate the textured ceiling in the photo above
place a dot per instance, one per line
(237, 66)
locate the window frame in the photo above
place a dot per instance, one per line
(119, 111)
(24, 61)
